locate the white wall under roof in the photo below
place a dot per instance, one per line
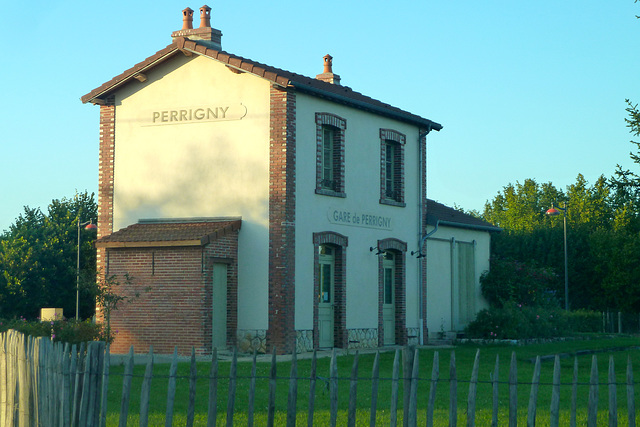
(183, 167)
(362, 187)
(441, 275)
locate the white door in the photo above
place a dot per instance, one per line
(326, 298)
(389, 299)
(219, 318)
(466, 284)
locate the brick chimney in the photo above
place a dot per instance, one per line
(204, 35)
(327, 75)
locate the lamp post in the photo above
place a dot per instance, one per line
(88, 225)
(553, 212)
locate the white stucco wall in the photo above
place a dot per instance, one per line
(172, 165)
(362, 187)
(442, 274)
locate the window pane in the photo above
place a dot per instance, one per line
(390, 170)
(325, 283)
(327, 155)
(388, 285)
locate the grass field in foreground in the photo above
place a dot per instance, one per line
(620, 348)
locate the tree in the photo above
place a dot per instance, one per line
(626, 183)
(598, 224)
(38, 259)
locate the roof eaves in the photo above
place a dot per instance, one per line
(221, 232)
(372, 105)
(489, 228)
(149, 244)
(126, 76)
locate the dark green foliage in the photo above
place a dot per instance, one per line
(67, 331)
(603, 245)
(38, 256)
(584, 321)
(510, 281)
(517, 321)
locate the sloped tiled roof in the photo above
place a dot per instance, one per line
(334, 92)
(169, 233)
(454, 218)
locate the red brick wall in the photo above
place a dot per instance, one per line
(169, 313)
(105, 182)
(176, 309)
(282, 181)
(423, 232)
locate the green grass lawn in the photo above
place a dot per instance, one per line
(464, 356)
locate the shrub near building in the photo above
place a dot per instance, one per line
(66, 331)
(523, 304)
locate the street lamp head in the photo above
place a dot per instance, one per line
(91, 226)
(552, 212)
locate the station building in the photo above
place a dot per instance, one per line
(255, 207)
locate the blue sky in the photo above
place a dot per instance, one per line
(523, 89)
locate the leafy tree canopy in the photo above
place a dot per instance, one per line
(38, 258)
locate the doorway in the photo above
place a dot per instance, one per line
(326, 296)
(389, 298)
(219, 306)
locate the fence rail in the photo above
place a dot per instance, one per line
(52, 384)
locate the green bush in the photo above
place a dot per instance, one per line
(525, 284)
(67, 331)
(516, 321)
(585, 321)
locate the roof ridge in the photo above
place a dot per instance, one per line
(279, 76)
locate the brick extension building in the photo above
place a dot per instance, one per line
(289, 211)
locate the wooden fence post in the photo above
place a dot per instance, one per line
(375, 377)
(333, 389)
(233, 375)
(574, 393)
(193, 375)
(555, 394)
(495, 381)
(613, 398)
(533, 397)
(473, 388)
(592, 419)
(435, 374)
(171, 389)
(353, 393)
(513, 391)
(145, 390)
(312, 389)
(272, 390)
(293, 391)
(105, 385)
(413, 391)
(453, 391)
(126, 389)
(631, 404)
(394, 390)
(252, 390)
(213, 390)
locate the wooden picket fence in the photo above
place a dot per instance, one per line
(51, 384)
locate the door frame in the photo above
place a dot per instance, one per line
(399, 249)
(339, 243)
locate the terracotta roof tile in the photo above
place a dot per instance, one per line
(334, 92)
(158, 233)
(454, 217)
